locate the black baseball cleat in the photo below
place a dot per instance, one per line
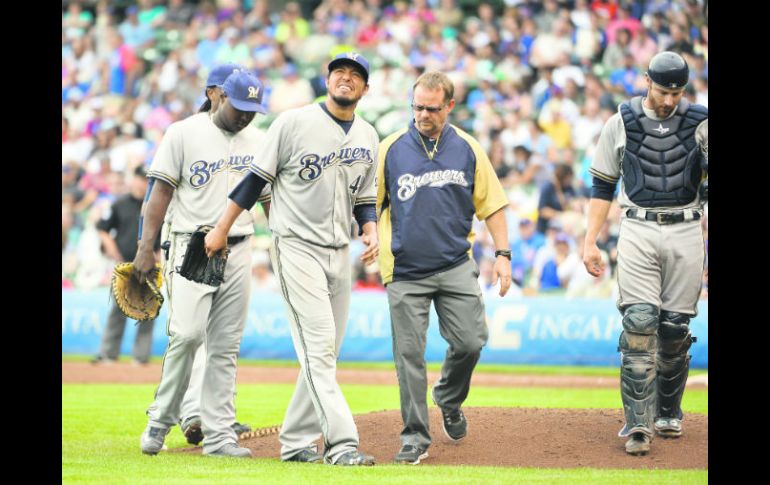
(455, 425)
(307, 455)
(191, 428)
(240, 428)
(411, 455)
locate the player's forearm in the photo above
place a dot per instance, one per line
(498, 229)
(597, 214)
(154, 212)
(370, 228)
(226, 221)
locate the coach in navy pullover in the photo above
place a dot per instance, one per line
(432, 179)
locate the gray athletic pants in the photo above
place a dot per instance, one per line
(660, 264)
(315, 283)
(460, 308)
(191, 404)
(113, 336)
(201, 313)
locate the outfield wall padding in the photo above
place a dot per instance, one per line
(537, 330)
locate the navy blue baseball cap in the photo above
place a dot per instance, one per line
(218, 75)
(244, 91)
(353, 58)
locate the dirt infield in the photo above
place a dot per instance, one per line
(523, 437)
(123, 372)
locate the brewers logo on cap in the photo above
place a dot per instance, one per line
(244, 91)
(352, 57)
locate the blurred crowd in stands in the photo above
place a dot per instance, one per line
(534, 83)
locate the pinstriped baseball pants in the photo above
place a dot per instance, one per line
(201, 314)
(315, 284)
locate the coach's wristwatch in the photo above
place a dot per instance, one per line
(503, 252)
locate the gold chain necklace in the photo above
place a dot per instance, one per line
(431, 153)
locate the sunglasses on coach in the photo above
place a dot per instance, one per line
(429, 109)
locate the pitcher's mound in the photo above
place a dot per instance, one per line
(523, 437)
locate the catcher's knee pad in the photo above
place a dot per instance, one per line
(641, 318)
(674, 333)
(673, 363)
(640, 324)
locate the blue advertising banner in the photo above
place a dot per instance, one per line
(540, 330)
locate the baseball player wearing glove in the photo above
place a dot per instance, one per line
(190, 420)
(140, 301)
(320, 160)
(198, 162)
(432, 179)
(658, 146)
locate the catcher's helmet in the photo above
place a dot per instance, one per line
(669, 70)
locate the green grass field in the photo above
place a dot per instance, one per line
(595, 371)
(101, 424)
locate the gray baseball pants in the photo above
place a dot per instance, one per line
(315, 283)
(660, 264)
(191, 404)
(462, 323)
(199, 314)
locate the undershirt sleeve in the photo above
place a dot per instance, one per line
(601, 189)
(246, 193)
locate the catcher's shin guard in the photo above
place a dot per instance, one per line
(638, 344)
(674, 340)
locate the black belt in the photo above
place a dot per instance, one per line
(663, 217)
(233, 240)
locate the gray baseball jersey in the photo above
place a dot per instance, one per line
(311, 158)
(203, 164)
(657, 264)
(319, 174)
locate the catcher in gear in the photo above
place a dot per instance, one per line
(140, 301)
(655, 146)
